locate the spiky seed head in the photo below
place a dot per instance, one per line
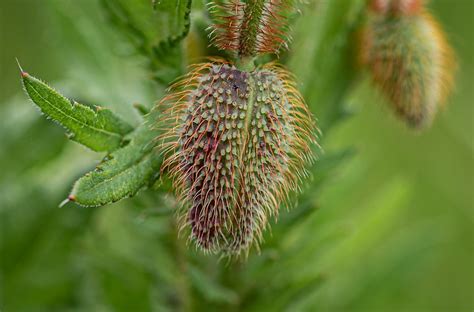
(410, 62)
(237, 143)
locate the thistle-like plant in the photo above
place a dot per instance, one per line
(94, 256)
(409, 58)
(235, 137)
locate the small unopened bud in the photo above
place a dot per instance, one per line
(408, 57)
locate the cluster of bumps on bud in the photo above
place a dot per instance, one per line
(236, 138)
(409, 58)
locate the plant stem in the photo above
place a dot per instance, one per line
(246, 63)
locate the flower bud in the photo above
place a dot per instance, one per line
(238, 142)
(409, 59)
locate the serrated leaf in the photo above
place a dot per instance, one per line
(99, 129)
(123, 173)
(155, 29)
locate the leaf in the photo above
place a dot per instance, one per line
(123, 173)
(155, 29)
(99, 129)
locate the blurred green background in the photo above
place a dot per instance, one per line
(393, 229)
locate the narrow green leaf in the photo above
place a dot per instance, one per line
(123, 173)
(98, 129)
(156, 30)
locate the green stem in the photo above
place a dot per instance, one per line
(246, 63)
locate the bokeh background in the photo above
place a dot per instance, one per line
(393, 230)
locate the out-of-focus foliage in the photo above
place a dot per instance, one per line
(385, 224)
(155, 33)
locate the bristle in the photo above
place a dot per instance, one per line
(228, 17)
(240, 141)
(273, 35)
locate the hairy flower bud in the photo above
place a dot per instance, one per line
(237, 144)
(251, 28)
(409, 58)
